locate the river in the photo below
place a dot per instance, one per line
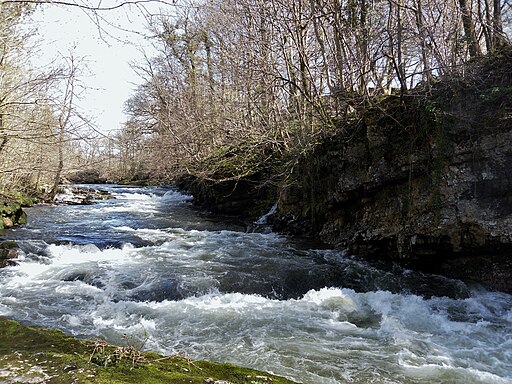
(148, 266)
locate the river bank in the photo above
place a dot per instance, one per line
(421, 179)
(40, 355)
(36, 355)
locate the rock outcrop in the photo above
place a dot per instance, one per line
(246, 198)
(37, 355)
(425, 180)
(8, 252)
(72, 195)
(11, 213)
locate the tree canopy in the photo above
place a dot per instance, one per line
(234, 82)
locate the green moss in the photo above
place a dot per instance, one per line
(9, 207)
(11, 210)
(18, 198)
(22, 219)
(9, 244)
(497, 94)
(28, 354)
(24, 200)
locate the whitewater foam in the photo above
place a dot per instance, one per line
(252, 299)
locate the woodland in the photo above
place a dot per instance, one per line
(235, 86)
(379, 127)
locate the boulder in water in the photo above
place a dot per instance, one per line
(7, 222)
(11, 214)
(80, 196)
(8, 252)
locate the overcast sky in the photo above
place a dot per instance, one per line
(111, 79)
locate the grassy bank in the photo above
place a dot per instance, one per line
(36, 355)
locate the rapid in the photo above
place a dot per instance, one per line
(149, 269)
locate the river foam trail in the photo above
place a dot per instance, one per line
(148, 265)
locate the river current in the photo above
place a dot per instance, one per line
(148, 266)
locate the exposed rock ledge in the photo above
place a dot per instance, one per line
(79, 195)
(425, 180)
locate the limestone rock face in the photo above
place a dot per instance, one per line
(428, 182)
(245, 198)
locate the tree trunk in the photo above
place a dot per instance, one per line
(469, 29)
(425, 55)
(400, 65)
(497, 23)
(60, 164)
(363, 48)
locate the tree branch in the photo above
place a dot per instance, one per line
(87, 7)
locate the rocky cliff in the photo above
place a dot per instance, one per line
(424, 178)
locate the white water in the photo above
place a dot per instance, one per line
(146, 264)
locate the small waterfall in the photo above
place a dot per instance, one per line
(263, 220)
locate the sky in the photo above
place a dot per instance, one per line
(108, 55)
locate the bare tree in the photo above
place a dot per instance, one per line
(469, 29)
(88, 5)
(65, 109)
(259, 74)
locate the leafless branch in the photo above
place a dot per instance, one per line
(88, 7)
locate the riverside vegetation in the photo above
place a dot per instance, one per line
(393, 145)
(35, 355)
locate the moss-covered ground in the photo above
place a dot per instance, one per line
(36, 355)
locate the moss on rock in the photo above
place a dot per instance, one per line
(8, 252)
(30, 354)
(11, 209)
